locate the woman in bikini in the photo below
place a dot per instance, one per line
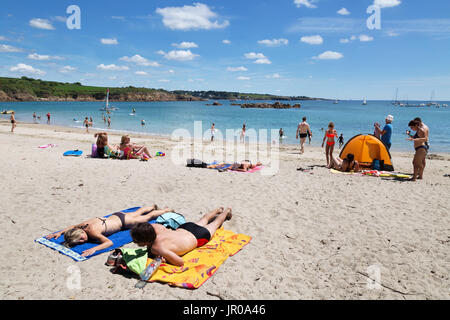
(244, 166)
(421, 146)
(98, 229)
(349, 164)
(330, 134)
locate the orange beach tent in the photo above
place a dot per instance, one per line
(367, 148)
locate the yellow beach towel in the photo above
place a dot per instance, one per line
(199, 264)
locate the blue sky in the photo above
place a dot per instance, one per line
(318, 48)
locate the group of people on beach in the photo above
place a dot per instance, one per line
(420, 139)
(160, 241)
(125, 150)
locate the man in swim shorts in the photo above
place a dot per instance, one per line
(303, 130)
(172, 245)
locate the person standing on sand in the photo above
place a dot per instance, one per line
(243, 133)
(341, 140)
(13, 121)
(302, 132)
(421, 146)
(330, 134)
(34, 117)
(109, 122)
(386, 133)
(213, 130)
(48, 118)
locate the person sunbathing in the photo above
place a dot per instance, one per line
(103, 146)
(349, 164)
(132, 150)
(244, 166)
(98, 229)
(172, 245)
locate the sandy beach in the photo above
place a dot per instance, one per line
(315, 235)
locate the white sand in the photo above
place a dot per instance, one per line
(315, 236)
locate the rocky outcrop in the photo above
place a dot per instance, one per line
(276, 105)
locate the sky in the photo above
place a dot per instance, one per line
(342, 49)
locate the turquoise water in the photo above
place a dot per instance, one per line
(349, 117)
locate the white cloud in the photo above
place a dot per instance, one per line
(274, 76)
(344, 12)
(39, 57)
(185, 45)
(258, 57)
(59, 19)
(140, 61)
(305, 3)
(387, 3)
(67, 69)
(329, 55)
(109, 41)
(345, 40)
(226, 41)
(112, 67)
(141, 73)
(163, 80)
(2, 38)
(313, 40)
(274, 42)
(8, 48)
(41, 24)
(26, 69)
(196, 17)
(243, 78)
(236, 69)
(178, 55)
(365, 38)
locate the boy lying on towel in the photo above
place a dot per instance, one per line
(98, 229)
(171, 245)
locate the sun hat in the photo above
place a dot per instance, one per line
(390, 118)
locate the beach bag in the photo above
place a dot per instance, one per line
(377, 165)
(94, 153)
(196, 163)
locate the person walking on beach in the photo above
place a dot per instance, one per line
(34, 117)
(109, 122)
(341, 140)
(13, 121)
(86, 123)
(213, 130)
(330, 134)
(48, 118)
(421, 146)
(281, 134)
(172, 245)
(386, 133)
(302, 132)
(309, 136)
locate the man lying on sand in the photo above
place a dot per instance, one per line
(97, 229)
(349, 164)
(171, 245)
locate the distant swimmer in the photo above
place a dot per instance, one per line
(143, 122)
(134, 110)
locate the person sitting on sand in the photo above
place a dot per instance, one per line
(172, 245)
(349, 164)
(244, 166)
(132, 150)
(102, 145)
(98, 229)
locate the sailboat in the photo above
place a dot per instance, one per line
(431, 103)
(396, 102)
(364, 102)
(107, 107)
(336, 101)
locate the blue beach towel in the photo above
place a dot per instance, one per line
(119, 239)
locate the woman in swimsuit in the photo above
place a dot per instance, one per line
(421, 146)
(244, 166)
(13, 121)
(349, 164)
(98, 229)
(102, 143)
(133, 151)
(330, 134)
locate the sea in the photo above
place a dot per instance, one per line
(166, 118)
